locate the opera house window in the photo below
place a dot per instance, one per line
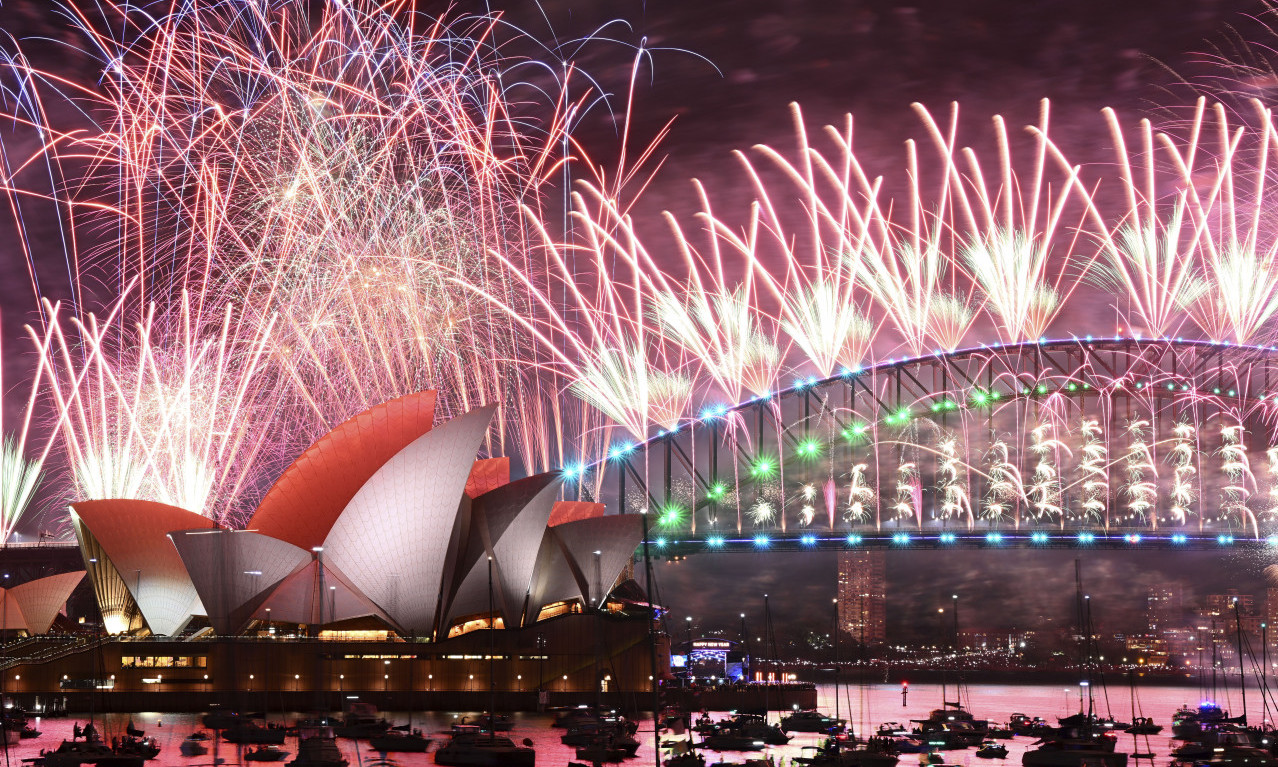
(164, 661)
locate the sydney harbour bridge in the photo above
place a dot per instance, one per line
(1089, 442)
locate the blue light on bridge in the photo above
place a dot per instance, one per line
(1224, 540)
(947, 538)
(1179, 538)
(1038, 538)
(761, 541)
(620, 450)
(572, 471)
(1086, 537)
(1132, 538)
(901, 539)
(854, 539)
(994, 538)
(717, 411)
(808, 540)
(661, 543)
(715, 541)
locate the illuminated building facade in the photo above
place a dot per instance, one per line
(863, 596)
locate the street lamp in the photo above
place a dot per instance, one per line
(956, 631)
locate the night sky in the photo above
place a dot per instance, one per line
(725, 71)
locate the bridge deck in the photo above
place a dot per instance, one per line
(666, 546)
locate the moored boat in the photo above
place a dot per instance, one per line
(396, 741)
(318, 750)
(485, 750)
(192, 746)
(265, 753)
(810, 721)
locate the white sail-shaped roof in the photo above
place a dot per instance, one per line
(232, 570)
(134, 535)
(567, 567)
(391, 539)
(39, 601)
(508, 522)
(315, 594)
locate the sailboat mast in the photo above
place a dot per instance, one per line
(492, 654)
(1242, 677)
(652, 636)
(836, 658)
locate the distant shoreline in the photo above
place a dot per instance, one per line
(895, 676)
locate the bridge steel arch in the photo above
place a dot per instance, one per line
(1082, 442)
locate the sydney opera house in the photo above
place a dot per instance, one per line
(375, 564)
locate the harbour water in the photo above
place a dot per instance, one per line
(866, 706)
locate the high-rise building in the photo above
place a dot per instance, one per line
(863, 595)
(1162, 607)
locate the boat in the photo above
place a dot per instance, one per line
(731, 741)
(1188, 723)
(951, 726)
(131, 745)
(318, 750)
(1023, 724)
(611, 742)
(485, 750)
(265, 754)
(397, 741)
(841, 753)
(1228, 746)
(755, 726)
(585, 736)
(361, 721)
(891, 729)
(601, 754)
(73, 753)
(567, 718)
(256, 733)
(904, 744)
(810, 721)
(1078, 742)
(992, 750)
(1143, 725)
(192, 746)
(220, 720)
(498, 723)
(932, 757)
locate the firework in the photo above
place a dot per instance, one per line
(1006, 488)
(1095, 470)
(1141, 486)
(860, 496)
(1044, 491)
(169, 415)
(1236, 466)
(1183, 456)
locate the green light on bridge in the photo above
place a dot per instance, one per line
(855, 430)
(763, 468)
(671, 516)
(902, 416)
(809, 448)
(716, 491)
